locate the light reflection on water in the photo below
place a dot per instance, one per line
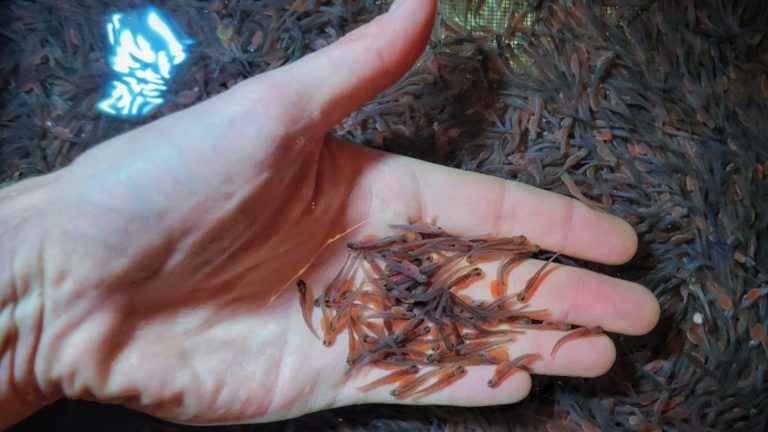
(146, 47)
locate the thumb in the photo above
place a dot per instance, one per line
(324, 87)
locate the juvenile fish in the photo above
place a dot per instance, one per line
(391, 377)
(506, 367)
(579, 332)
(306, 305)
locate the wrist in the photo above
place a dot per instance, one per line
(21, 300)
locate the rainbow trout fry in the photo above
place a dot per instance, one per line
(408, 310)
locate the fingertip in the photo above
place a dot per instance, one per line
(652, 312)
(585, 357)
(622, 240)
(628, 241)
(520, 390)
(600, 236)
(590, 357)
(609, 350)
(636, 312)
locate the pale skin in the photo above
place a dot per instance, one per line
(158, 270)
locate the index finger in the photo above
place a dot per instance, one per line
(463, 201)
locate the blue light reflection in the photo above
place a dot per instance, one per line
(146, 47)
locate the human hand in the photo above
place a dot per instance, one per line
(152, 271)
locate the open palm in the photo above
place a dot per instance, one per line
(168, 269)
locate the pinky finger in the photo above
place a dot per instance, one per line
(472, 390)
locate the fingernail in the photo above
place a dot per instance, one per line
(396, 4)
